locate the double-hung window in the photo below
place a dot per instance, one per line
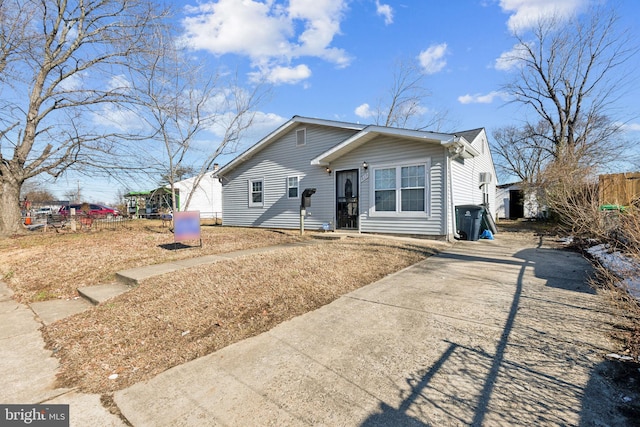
(385, 190)
(413, 189)
(292, 187)
(400, 190)
(256, 193)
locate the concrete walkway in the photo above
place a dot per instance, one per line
(502, 332)
(487, 333)
(29, 371)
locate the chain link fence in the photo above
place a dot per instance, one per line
(78, 222)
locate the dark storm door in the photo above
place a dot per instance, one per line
(347, 199)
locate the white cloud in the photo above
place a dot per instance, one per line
(432, 60)
(110, 116)
(524, 13)
(480, 99)
(264, 123)
(385, 11)
(631, 127)
(249, 28)
(285, 75)
(119, 83)
(73, 82)
(511, 59)
(271, 33)
(364, 111)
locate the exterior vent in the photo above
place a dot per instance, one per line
(485, 177)
(301, 137)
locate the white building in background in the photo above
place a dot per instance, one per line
(206, 197)
(513, 202)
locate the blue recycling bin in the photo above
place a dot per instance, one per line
(469, 221)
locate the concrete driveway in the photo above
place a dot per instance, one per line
(503, 332)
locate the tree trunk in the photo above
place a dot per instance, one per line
(10, 218)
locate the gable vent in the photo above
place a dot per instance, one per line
(301, 137)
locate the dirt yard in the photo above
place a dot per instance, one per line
(178, 317)
(172, 319)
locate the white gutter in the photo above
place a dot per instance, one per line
(456, 143)
(456, 152)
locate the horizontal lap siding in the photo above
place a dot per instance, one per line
(466, 178)
(386, 150)
(274, 164)
(465, 175)
(206, 197)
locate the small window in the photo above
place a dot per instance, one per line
(301, 137)
(292, 187)
(256, 193)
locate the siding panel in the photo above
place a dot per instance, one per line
(387, 150)
(276, 162)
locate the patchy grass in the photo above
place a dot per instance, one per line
(547, 228)
(177, 317)
(41, 266)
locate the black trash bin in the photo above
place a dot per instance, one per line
(469, 221)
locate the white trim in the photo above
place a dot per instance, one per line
(304, 137)
(398, 213)
(297, 187)
(279, 132)
(372, 131)
(251, 203)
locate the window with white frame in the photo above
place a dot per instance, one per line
(256, 192)
(292, 187)
(401, 189)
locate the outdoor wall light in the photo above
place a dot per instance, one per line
(328, 169)
(365, 165)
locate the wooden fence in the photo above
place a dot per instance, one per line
(622, 189)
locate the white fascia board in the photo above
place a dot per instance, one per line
(369, 133)
(409, 133)
(458, 141)
(345, 146)
(295, 120)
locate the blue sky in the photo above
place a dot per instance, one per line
(334, 59)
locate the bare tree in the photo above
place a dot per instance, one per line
(180, 101)
(522, 153)
(403, 105)
(55, 60)
(570, 74)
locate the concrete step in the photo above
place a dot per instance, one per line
(56, 309)
(100, 293)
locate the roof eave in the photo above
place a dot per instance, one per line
(285, 127)
(371, 132)
(460, 147)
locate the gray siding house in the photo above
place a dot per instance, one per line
(369, 179)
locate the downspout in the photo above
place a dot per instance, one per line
(457, 152)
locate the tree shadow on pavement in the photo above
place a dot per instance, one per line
(535, 375)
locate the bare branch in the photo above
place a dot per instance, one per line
(56, 60)
(566, 76)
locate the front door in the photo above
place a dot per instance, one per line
(347, 199)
